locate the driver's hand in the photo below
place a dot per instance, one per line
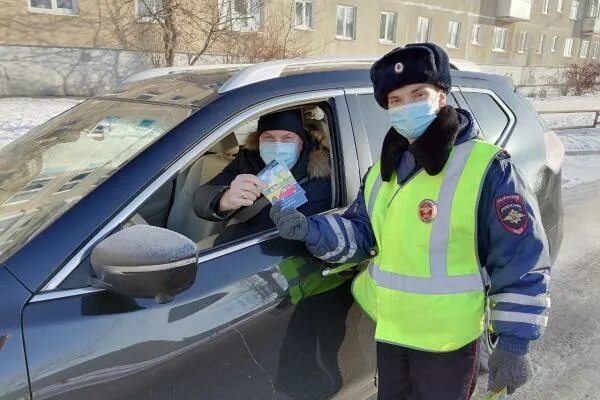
(243, 192)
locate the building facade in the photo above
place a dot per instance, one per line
(74, 47)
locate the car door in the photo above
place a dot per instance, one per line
(259, 322)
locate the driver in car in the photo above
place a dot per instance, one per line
(234, 195)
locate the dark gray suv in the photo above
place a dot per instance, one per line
(249, 319)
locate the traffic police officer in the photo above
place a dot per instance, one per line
(446, 217)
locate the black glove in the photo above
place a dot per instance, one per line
(291, 223)
(508, 370)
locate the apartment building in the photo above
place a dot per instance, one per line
(73, 46)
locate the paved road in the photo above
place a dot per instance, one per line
(567, 359)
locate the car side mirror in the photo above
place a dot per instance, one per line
(145, 261)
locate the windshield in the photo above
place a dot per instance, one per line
(54, 166)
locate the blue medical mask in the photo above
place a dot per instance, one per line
(412, 120)
(285, 153)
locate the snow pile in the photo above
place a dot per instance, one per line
(19, 115)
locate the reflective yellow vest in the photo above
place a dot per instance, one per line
(424, 288)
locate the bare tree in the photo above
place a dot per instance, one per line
(277, 38)
(162, 28)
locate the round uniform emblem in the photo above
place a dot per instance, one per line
(399, 67)
(428, 210)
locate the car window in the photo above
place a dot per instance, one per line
(194, 211)
(47, 171)
(377, 122)
(490, 117)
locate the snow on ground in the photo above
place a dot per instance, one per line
(558, 103)
(19, 115)
(582, 162)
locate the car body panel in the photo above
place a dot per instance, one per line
(14, 384)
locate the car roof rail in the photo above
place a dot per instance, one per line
(274, 69)
(157, 72)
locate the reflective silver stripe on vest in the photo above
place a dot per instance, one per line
(438, 285)
(352, 245)
(509, 316)
(340, 239)
(373, 196)
(440, 230)
(524, 300)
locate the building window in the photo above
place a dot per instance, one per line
(68, 7)
(545, 6)
(554, 47)
(559, 5)
(149, 9)
(240, 15)
(476, 34)
(585, 46)
(500, 35)
(304, 14)
(541, 44)
(574, 10)
(453, 34)
(387, 27)
(568, 47)
(523, 42)
(423, 29)
(593, 8)
(596, 51)
(346, 22)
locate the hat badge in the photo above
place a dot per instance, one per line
(399, 67)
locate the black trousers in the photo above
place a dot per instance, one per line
(407, 374)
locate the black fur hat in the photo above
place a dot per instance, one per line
(413, 63)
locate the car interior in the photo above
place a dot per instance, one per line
(171, 206)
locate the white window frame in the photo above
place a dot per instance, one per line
(554, 47)
(453, 35)
(584, 49)
(596, 51)
(559, 6)
(476, 35)
(503, 33)
(575, 4)
(593, 9)
(568, 50)
(242, 22)
(306, 24)
(421, 21)
(394, 17)
(344, 35)
(54, 9)
(149, 18)
(541, 43)
(545, 6)
(523, 36)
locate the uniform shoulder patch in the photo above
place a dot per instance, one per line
(503, 155)
(512, 214)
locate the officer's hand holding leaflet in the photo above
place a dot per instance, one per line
(290, 223)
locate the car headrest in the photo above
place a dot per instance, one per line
(228, 145)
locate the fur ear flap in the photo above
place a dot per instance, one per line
(393, 145)
(252, 142)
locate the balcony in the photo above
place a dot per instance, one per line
(513, 10)
(590, 26)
